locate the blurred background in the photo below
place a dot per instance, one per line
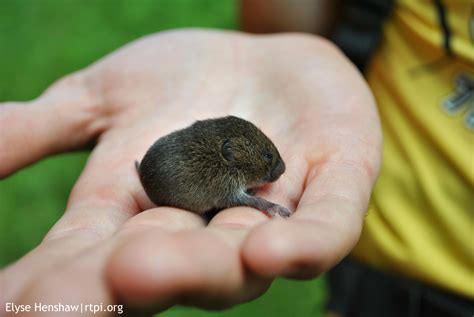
(42, 40)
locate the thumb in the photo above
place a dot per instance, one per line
(66, 116)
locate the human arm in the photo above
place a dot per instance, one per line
(111, 245)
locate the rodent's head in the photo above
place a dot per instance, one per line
(250, 151)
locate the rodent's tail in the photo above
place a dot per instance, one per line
(137, 166)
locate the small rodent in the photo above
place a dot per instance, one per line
(211, 165)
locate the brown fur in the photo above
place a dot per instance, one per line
(212, 164)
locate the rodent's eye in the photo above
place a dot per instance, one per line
(268, 157)
(227, 151)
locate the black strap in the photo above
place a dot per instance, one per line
(357, 290)
(443, 22)
(360, 29)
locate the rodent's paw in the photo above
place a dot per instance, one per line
(281, 211)
(251, 191)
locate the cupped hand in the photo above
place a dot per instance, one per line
(112, 245)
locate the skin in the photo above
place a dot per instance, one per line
(211, 165)
(112, 246)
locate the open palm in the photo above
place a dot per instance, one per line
(113, 245)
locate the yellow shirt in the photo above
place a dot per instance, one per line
(421, 220)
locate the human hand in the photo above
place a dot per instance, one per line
(112, 245)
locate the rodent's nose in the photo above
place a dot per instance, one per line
(277, 171)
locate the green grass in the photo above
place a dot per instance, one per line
(42, 40)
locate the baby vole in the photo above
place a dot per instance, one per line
(211, 165)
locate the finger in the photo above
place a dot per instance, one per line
(324, 228)
(66, 116)
(200, 267)
(52, 265)
(70, 236)
(167, 219)
(107, 195)
(71, 282)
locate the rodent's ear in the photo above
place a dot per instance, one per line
(228, 151)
